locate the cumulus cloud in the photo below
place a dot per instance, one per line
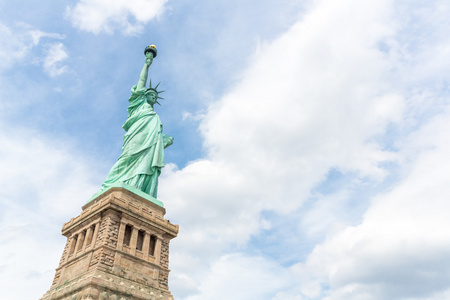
(44, 184)
(241, 277)
(56, 167)
(323, 96)
(400, 249)
(99, 16)
(293, 117)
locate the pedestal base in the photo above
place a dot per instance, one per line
(102, 285)
(117, 249)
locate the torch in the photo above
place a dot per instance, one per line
(151, 49)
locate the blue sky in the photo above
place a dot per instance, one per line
(311, 146)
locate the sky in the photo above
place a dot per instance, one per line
(311, 151)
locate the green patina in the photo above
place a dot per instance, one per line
(131, 189)
(139, 166)
(65, 283)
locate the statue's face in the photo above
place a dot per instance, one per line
(151, 98)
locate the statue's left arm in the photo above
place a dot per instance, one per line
(167, 140)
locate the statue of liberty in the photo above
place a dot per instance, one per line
(142, 156)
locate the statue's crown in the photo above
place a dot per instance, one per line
(154, 90)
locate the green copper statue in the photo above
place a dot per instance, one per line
(142, 156)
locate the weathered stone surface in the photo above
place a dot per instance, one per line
(103, 260)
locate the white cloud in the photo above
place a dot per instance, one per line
(320, 97)
(22, 44)
(241, 277)
(401, 248)
(276, 135)
(44, 184)
(55, 55)
(56, 167)
(99, 16)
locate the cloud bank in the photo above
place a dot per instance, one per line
(330, 94)
(44, 184)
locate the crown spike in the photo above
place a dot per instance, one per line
(157, 85)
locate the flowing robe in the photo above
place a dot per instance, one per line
(142, 156)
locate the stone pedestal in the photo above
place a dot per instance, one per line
(117, 249)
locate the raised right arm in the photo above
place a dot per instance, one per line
(144, 73)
